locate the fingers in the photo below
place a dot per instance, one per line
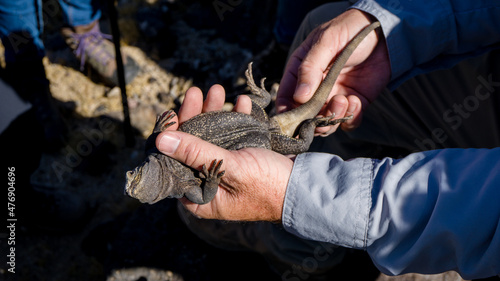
(215, 98)
(314, 65)
(306, 69)
(192, 104)
(338, 105)
(355, 108)
(243, 104)
(342, 106)
(284, 99)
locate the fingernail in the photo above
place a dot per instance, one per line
(169, 143)
(302, 90)
(281, 108)
(351, 109)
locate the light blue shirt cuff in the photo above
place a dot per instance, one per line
(343, 203)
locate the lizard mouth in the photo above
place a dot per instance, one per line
(133, 180)
(142, 183)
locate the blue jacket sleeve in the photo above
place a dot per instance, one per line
(427, 35)
(429, 212)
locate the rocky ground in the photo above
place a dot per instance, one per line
(178, 44)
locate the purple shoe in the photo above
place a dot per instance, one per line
(91, 46)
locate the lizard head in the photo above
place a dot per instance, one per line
(145, 181)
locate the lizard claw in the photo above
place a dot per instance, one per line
(258, 95)
(262, 83)
(212, 173)
(161, 121)
(251, 82)
(212, 178)
(329, 121)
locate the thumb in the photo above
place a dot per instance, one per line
(312, 69)
(189, 149)
(303, 73)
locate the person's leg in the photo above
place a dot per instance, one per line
(26, 133)
(83, 35)
(20, 27)
(80, 12)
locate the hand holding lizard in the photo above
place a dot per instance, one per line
(363, 77)
(255, 179)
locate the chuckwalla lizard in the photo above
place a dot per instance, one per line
(160, 176)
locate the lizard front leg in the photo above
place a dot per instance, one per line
(162, 123)
(211, 176)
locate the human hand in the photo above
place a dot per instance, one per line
(255, 180)
(363, 77)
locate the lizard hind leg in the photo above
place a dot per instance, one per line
(259, 95)
(162, 121)
(286, 145)
(329, 121)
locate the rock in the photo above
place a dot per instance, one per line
(143, 274)
(446, 276)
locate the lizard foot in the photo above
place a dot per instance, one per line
(329, 121)
(212, 178)
(212, 173)
(161, 121)
(256, 90)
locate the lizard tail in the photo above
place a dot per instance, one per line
(290, 120)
